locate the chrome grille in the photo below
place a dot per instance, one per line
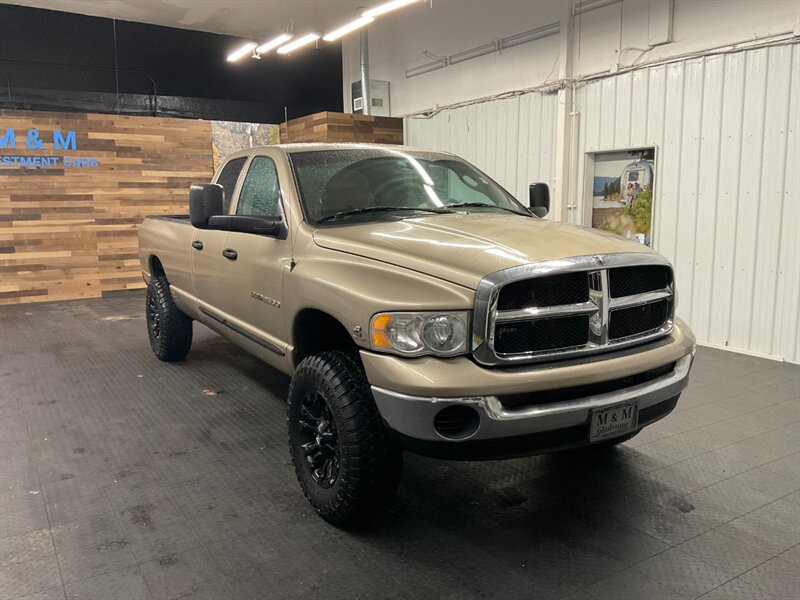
(567, 307)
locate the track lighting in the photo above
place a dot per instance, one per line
(345, 29)
(243, 51)
(291, 46)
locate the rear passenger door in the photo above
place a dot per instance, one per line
(255, 264)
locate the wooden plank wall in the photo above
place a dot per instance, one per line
(69, 233)
(342, 127)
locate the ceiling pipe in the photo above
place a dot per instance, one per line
(440, 62)
(365, 95)
(585, 6)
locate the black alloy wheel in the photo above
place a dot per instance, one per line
(319, 440)
(153, 319)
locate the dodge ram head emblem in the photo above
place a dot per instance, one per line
(599, 260)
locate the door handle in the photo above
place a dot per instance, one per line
(230, 254)
(197, 245)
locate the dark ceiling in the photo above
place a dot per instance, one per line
(52, 50)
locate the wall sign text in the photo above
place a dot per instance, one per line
(32, 139)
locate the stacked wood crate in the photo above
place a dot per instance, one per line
(341, 127)
(70, 232)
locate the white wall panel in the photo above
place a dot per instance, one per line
(727, 212)
(726, 201)
(512, 140)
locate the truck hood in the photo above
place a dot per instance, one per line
(465, 247)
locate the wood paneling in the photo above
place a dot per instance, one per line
(70, 232)
(341, 127)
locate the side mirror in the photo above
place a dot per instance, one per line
(258, 225)
(539, 199)
(205, 201)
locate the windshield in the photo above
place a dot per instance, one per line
(367, 184)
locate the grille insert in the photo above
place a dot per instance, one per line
(569, 288)
(542, 335)
(637, 320)
(627, 281)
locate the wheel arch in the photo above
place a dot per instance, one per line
(315, 331)
(155, 266)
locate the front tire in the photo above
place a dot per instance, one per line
(344, 460)
(169, 329)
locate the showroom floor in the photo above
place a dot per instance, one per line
(121, 477)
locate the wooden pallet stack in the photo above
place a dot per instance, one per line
(340, 127)
(70, 232)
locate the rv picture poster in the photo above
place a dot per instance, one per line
(622, 193)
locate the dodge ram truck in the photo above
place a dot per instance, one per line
(416, 306)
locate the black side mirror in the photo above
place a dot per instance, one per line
(205, 201)
(539, 199)
(258, 225)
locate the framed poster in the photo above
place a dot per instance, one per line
(621, 183)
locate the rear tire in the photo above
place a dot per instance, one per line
(344, 460)
(169, 329)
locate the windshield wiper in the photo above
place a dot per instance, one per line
(482, 204)
(369, 209)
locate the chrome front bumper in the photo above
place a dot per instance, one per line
(413, 416)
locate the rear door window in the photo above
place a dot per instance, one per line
(227, 179)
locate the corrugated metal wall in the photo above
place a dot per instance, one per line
(727, 198)
(512, 140)
(727, 210)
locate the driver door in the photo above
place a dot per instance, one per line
(255, 264)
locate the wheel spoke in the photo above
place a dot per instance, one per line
(319, 439)
(307, 425)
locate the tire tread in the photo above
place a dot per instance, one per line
(175, 340)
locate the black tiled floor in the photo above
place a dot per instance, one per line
(122, 477)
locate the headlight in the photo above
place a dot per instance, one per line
(415, 334)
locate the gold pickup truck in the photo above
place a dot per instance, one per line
(417, 306)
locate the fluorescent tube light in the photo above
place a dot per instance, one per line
(246, 49)
(345, 29)
(267, 46)
(387, 7)
(306, 39)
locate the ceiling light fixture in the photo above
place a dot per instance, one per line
(387, 7)
(345, 29)
(244, 50)
(272, 44)
(306, 39)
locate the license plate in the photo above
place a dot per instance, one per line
(613, 421)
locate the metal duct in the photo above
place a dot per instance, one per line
(496, 46)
